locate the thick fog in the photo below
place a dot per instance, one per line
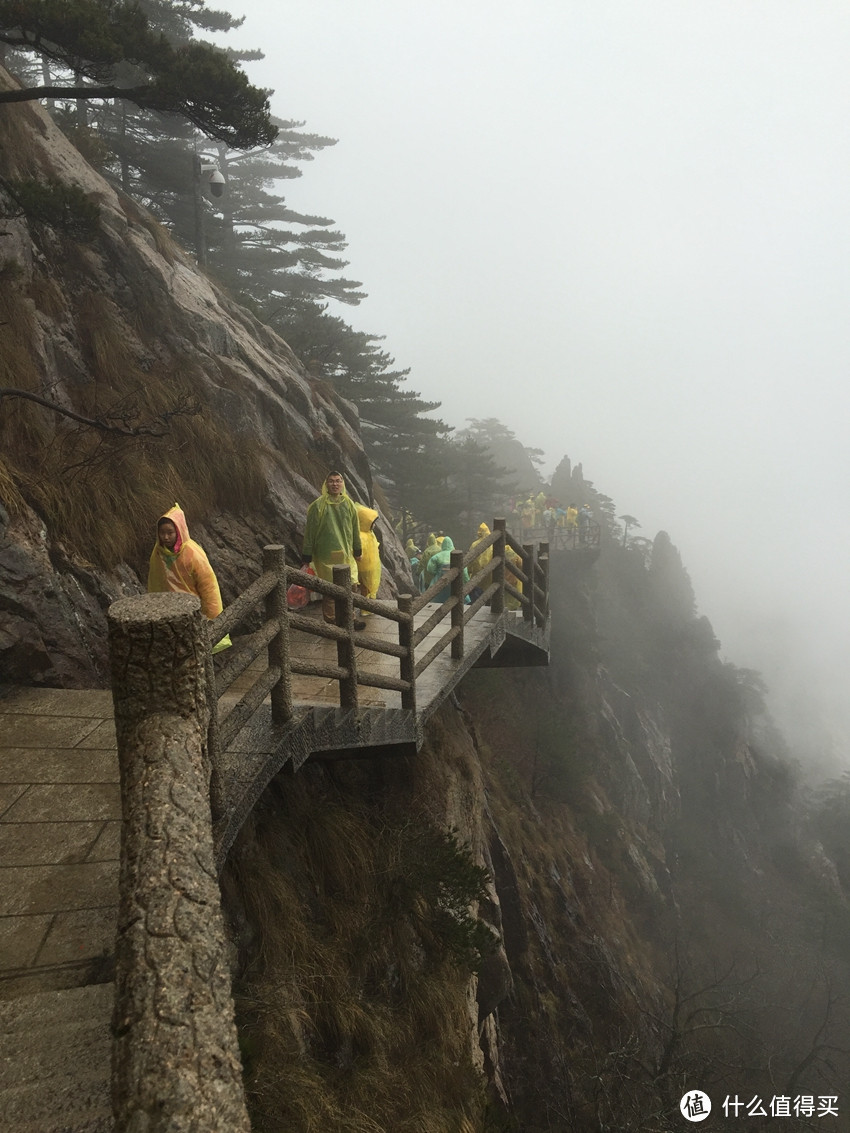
(623, 229)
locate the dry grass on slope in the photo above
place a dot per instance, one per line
(353, 1009)
(98, 492)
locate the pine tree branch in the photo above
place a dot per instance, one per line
(28, 94)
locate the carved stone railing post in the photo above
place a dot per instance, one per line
(407, 664)
(274, 559)
(456, 564)
(346, 659)
(176, 1060)
(528, 567)
(497, 605)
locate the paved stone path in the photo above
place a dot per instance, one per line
(60, 812)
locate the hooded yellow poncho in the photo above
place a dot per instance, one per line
(512, 559)
(186, 570)
(431, 548)
(369, 567)
(483, 559)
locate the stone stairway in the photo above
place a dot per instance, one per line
(54, 1061)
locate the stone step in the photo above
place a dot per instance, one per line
(55, 1051)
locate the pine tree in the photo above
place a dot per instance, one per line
(267, 251)
(516, 465)
(477, 483)
(112, 45)
(407, 447)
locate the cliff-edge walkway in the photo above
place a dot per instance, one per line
(60, 808)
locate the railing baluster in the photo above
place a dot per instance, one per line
(497, 605)
(407, 664)
(274, 559)
(344, 615)
(528, 564)
(543, 563)
(456, 564)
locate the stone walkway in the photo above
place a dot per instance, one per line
(60, 812)
(60, 809)
(60, 822)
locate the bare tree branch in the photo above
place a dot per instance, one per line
(116, 423)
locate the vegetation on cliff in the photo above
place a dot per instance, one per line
(667, 917)
(671, 909)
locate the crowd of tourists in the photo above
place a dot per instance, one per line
(339, 531)
(430, 563)
(530, 513)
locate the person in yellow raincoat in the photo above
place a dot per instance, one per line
(527, 514)
(332, 537)
(179, 563)
(512, 559)
(431, 548)
(483, 559)
(369, 566)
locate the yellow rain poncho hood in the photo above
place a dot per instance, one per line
(186, 569)
(431, 548)
(483, 559)
(512, 559)
(369, 567)
(332, 534)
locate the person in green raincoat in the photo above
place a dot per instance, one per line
(332, 537)
(437, 564)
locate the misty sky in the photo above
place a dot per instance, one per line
(623, 228)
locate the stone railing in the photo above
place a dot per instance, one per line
(564, 538)
(176, 1065)
(272, 585)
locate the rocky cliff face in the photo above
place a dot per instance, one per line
(111, 320)
(661, 913)
(661, 918)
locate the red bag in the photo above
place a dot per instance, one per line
(298, 596)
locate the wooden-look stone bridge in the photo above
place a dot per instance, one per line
(198, 740)
(361, 693)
